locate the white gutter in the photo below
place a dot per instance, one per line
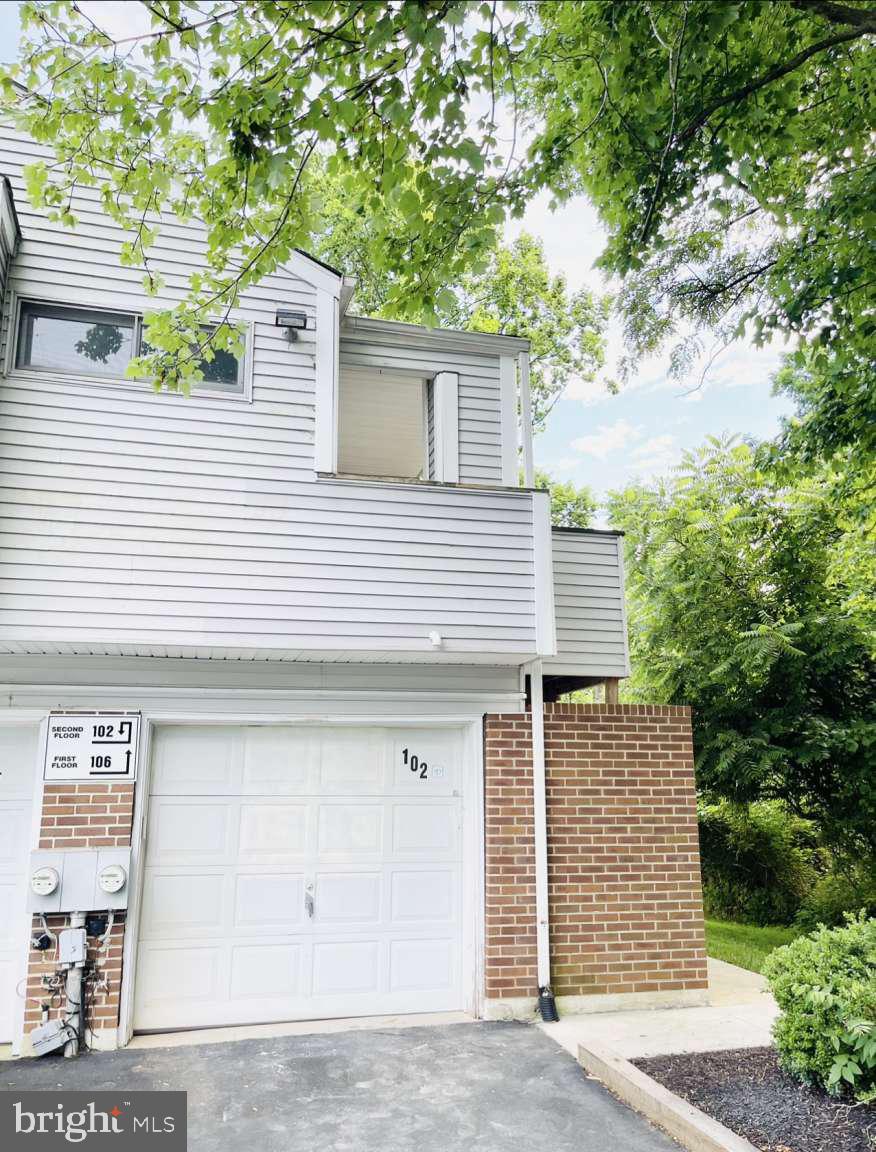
(539, 805)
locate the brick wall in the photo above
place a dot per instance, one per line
(623, 856)
(509, 877)
(84, 815)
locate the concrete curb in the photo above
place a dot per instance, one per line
(688, 1125)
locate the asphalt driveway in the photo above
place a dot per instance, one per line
(490, 1087)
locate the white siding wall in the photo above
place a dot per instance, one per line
(589, 605)
(132, 523)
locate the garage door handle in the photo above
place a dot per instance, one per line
(308, 901)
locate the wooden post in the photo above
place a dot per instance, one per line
(609, 688)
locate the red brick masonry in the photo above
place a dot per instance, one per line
(623, 856)
(82, 816)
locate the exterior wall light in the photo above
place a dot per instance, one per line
(293, 322)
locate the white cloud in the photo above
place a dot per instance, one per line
(564, 464)
(587, 391)
(608, 439)
(655, 455)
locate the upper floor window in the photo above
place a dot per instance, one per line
(87, 341)
(383, 425)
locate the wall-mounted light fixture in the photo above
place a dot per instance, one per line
(293, 322)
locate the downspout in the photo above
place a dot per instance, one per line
(546, 1003)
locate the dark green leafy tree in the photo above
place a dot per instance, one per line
(738, 607)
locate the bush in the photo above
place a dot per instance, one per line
(758, 862)
(825, 985)
(846, 889)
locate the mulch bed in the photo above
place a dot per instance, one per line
(748, 1091)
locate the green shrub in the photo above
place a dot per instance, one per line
(850, 888)
(758, 862)
(825, 985)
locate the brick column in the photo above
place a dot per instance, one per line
(509, 902)
(86, 815)
(623, 856)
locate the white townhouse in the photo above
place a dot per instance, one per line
(278, 650)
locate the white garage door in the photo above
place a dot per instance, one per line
(18, 752)
(300, 873)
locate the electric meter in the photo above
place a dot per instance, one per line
(45, 881)
(112, 878)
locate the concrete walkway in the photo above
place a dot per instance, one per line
(484, 1087)
(740, 1014)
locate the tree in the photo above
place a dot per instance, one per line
(571, 507)
(727, 146)
(739, 607)
(514, 294)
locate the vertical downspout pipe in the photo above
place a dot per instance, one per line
(546, 1003)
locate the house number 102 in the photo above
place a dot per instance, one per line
(415, 763)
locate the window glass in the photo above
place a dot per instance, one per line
(221, 374)
(75, 340)
(55, 337)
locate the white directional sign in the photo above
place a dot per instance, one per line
(92, 746)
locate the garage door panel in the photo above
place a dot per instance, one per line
(341, 968)
(196, 760)
(14, 835)
(353, 762)
(18, 776)
(272, 832)
(269, 902)
(280, 760)
(257, 967)
(186, 831)
(350, 830)
(422, 896)
(425, 764)
(189, 903)
(424, 830)
(421, 965)
(347, 898)
(172, 977)
(18, 753)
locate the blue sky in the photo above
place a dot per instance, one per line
(593, 437)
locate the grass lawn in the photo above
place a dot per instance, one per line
(744, 944)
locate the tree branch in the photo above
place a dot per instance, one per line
(693, 126)
(862, 18)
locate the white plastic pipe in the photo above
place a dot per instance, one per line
(74, 984)
(539, 804)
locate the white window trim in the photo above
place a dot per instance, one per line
(545, 615)
(445, 419)
(526, 420)
(325, 448)
(114, 383)
(508, 419)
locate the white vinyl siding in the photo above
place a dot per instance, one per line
(136, 523)
(589, 605)
(102, 546)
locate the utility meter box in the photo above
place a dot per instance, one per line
(81, 880)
